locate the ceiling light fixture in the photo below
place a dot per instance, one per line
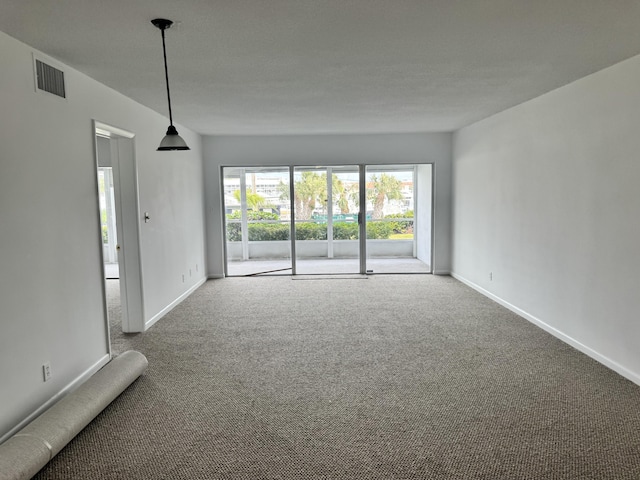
(171, 141)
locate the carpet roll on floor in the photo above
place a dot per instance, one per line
(24, 454)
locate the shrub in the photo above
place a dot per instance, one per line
(345, 231)
(401, 226)
(379, 230)
(253, 215)
(311, 231)
(268, 232)
(407, 214)
(234, 232)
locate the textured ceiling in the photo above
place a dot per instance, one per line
(331, 66)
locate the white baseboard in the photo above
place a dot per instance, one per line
(83, 377)
(173, 304)
(606, 361)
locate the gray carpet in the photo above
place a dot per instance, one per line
(395, 377)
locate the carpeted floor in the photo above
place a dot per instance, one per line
(392, 377)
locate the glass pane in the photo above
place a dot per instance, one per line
(257, 219)
(326, 231)
(310, 204)
(345, 245)
(233, 211)
(346, 205)
(391, 224)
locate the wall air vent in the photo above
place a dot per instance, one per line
(50, 79)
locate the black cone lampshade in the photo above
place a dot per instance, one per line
(171, 141)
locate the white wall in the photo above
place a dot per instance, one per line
(547, 197)
(424, 203)
(51, 293)
(328, 150)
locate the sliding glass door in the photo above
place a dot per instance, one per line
(353, 219)
(257, 220)
(326, 205)
(394, 213)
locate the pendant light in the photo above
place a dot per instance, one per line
(171, 141)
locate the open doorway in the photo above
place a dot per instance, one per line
(117, 188)
(106, 196)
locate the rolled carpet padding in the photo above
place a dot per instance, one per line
(24, 454)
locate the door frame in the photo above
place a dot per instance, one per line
(125, 180)
(329, 173)
(362, 170)
(244, 222)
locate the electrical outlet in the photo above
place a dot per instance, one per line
(46, 371)
(183, 278)
(189, 272)
(491, 276)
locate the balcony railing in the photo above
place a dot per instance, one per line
(270, 239)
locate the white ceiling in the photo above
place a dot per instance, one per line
(331, 66)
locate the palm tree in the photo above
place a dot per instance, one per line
(381, 189)
(255, 201)
(310, 189)
(341, 194)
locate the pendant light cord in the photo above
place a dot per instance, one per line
(166, 76)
